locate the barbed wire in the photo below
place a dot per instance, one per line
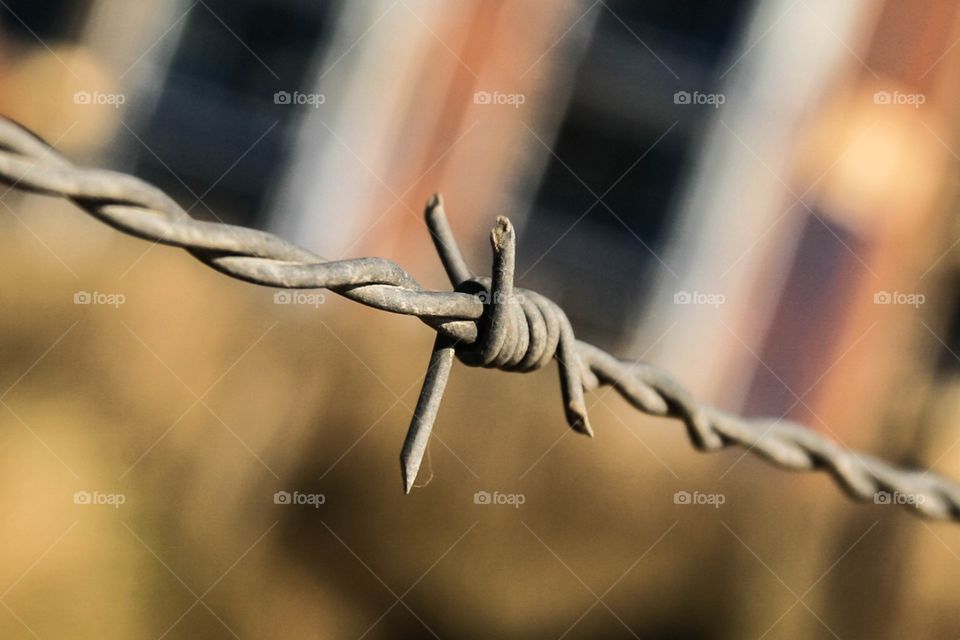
(483, 322)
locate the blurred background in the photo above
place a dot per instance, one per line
(759, 197)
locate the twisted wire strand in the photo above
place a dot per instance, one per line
(482, 322)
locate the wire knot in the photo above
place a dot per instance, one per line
(519, 330)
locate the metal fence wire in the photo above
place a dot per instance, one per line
(483, 321)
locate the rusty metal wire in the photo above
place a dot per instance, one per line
(483, 322)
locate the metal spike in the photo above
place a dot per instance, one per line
(421, 425)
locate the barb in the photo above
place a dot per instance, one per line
(484, 322)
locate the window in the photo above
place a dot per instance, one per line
(623, 110)
(216, 122)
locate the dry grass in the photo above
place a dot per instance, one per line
(317, 400)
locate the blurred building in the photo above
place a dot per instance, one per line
(652, 155)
